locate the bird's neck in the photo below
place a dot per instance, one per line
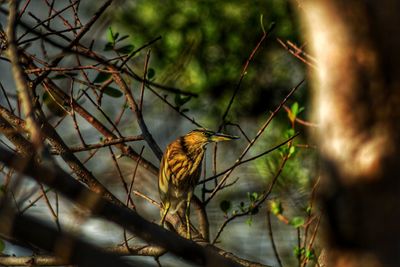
(194, 151)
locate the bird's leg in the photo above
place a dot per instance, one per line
(165, 211)
(187, 215)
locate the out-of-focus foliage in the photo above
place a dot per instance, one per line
(206, 43)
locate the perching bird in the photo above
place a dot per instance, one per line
(180, 170)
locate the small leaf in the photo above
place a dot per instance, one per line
(125, 49)
(225, 205)
(310, 255)
(181, 100)
(289, 133)
(116, 36)
(254, 196)
(113, 92)
(295, 109)
(54, 104)
(102, 77)
(297, 222)
(109, 46)
(298, 252)
(292, 150)
(276, 207)
(110, 35)
(242, 209)
(308, 210)
(150, 73)
(58, 77)
(2, 245)
(249, 221)
(122, 38)
(254, 210)
(64, 75)
(262, 22)
(184, 110)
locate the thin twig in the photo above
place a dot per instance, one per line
(244, 71)
(134, 176)
(44, 21)
(250, 159)
(133, 53)
(146, 63)
(260, 131)
(257, 204)
(271, 237)
(139, 116)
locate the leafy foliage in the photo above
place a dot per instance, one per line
(202, 46)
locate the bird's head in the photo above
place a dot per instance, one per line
(201, 137)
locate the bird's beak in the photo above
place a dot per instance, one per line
(217, 137)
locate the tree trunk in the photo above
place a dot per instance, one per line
(357, 103)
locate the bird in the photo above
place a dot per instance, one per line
(180, 170)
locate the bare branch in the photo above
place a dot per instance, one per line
(24, 91)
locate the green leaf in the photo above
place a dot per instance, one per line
(295, 109)
(122, 38)
(225, 205)
(297, 222)
(181, 100)
(111, 36)
(113, 92)
(308, 210)
(276, 207)
(249, 221)
(283, 151)
(64, 75)
(125, 49)
(262, 22)
(2, 245)
(241, 206)
(292, 150)
(289, 133)
(102, 77)
(253, 196)
(150, 73)
(109, 46)
(54, 104)
(254, 210)
(298, 252)
(310, 255)
(116, 36)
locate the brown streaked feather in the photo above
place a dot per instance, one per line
(180, 170)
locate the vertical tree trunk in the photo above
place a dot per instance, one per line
(357, 103)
